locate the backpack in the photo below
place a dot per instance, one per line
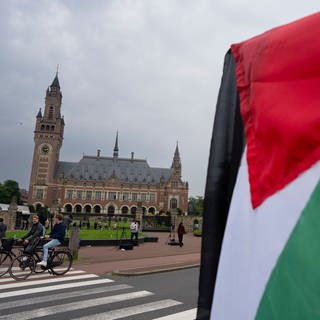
(7, 244)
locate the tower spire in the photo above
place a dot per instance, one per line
(116, 148)
(55, 82)
(176, 162)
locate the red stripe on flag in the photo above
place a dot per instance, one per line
(278, 79)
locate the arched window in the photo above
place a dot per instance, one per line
(133, 210)
(152, 210)
(52, 128)
(78, 208)
(111, 210)
(42, 127)
(87, 209)
(68, 208)
(97, 209)
(124, 210)
(173, 203)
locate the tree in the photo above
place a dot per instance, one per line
(195, 206)
(8, 190)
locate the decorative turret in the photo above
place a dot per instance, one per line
(116, 149)
(39, 115)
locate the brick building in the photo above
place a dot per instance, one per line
(97, 184)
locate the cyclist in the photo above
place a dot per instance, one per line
(57, 234)
(31, 239)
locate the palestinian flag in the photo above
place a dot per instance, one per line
(260, 254)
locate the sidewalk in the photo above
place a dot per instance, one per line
(145, 258)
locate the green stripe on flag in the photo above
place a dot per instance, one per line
(293, 290)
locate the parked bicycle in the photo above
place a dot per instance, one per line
(59, 262)
(6, 255)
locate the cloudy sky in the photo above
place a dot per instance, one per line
(150, 69)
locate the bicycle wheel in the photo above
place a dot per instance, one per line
(22, 266)
(60, 262)
(5, 262)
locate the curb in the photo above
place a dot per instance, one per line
(128, 273)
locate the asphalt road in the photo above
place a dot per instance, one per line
(80, 295)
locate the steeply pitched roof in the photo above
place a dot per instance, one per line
(55, 82)
(89, 168)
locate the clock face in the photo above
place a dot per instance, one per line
(45, 149)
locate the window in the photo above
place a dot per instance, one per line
(134, 196)
(174, 184)
(79, 194)
(98, 195)
(143, 196)
(69, 194)
(173, 203)
(152, 197)
(125, 196)
(88, 195)
(51, 113)
(112, 196)
(39, 193)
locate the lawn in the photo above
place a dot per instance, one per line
(86, 234)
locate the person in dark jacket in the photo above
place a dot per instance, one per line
(181, 232)
(35, 232)
(3, 229)
(57, 235)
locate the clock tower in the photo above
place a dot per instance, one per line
(48, 136)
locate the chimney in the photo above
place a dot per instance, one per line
(98, 153)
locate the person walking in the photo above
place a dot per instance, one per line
(181, 232)
(3, 229)
(134, 229)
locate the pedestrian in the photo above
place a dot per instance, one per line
(181, 232)
(134, 229)
(88, 224)
(67, 220)
(3, 229)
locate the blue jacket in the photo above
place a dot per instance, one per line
(58, 232)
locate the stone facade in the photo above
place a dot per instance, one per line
(97, 184)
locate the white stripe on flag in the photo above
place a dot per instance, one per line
(53, 288)
(53, 310)
(253, 241)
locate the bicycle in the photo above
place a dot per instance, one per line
(6, 255)
(59, 262)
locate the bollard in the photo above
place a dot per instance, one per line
(74, 241)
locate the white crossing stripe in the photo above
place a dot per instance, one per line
(133, 310)
(61, 296)
(37, 276)
(53, 288)
(45, 281)
(41, 312)
(188, 314)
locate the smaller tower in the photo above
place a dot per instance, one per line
(176, 163)
(116, 149)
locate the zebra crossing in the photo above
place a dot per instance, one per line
(81, 295)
